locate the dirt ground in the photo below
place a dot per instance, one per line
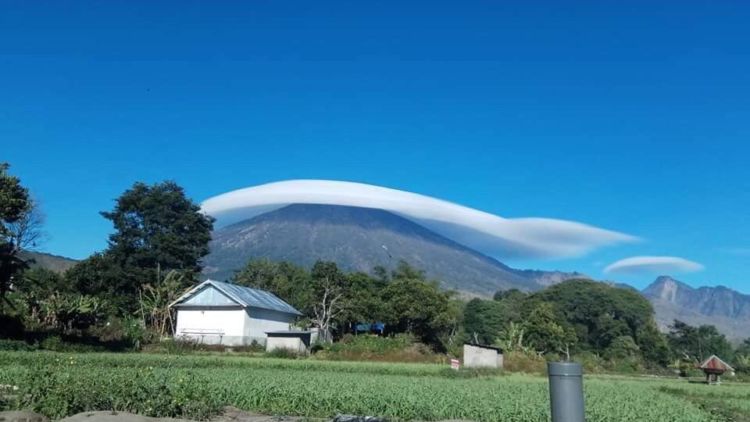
(229, 415)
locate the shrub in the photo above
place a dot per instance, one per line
(283, 353)
(527, 362)
(399, 348)
(17, 345)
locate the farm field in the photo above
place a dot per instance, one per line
(58, 384)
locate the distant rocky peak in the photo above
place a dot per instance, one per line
(666, 288)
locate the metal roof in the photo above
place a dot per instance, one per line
(244, 296)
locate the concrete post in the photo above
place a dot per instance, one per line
(566, 391)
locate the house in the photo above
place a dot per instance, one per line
(481, 356)
(714, 368)
(215, 312)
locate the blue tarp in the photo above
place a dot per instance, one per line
(377, 327)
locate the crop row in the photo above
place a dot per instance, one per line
(71, 384)
(135, 360)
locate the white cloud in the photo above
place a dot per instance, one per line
(488, 233)
(653, 265)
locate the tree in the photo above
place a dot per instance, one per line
(329, 288)
(487, 319)
(284, 279)
(363, 300)
(418, 306)
(599, 313)
(744, 348)
(14, 205)
(99, 275)
(545, 334)
(27, 232)
(154, 300)
(698, 343)
(622, 347)
(653, 345)
(157, 229)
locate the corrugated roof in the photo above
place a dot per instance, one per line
(244, 296)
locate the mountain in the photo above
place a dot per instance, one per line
(358, 239)
(725, 308)
(51, 262)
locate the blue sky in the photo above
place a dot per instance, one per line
(632, 117)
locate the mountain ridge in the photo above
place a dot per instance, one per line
(727, 309)
(56, 263)
(358, 239)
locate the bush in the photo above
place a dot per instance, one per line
(57, 344)
(399, 348)
(187, 346)
(17, 345)
(526, 362)
(122, 330)
(283, 353)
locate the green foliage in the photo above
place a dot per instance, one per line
(17, 345)
(598, 313)
(336, 301)
(14, 205)
(364, 347)
(744, 347)
(545, 334)
(284, 279)
(158, 226)
(488, 318)
(653, 346)
(698, 343)
(417, 306)
(623, 348)
(99, 275)
(282, 353)
(14, 200)
(157, 229)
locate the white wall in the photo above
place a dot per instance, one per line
(480, 357)
(294, 344)
(239, 326)
(262, 320)
(230, 321)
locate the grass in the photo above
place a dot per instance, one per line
(199, 386)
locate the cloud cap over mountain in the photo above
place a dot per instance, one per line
(489, 233)
(653, 265)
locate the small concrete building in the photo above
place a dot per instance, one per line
(480, 356)
(214, 312)
(294, 341)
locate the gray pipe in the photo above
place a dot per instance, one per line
(566, 391)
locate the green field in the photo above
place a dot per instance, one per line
(197, 386)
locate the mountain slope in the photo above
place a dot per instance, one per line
(51, 262)
(725, 308)
(359, 239)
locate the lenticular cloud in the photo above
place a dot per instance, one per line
(488, 233)
(653, 265)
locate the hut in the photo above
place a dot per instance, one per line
(481, 356)
(714, 368)
(294, 341)
(214, 312)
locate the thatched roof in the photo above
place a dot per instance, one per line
(714, 363)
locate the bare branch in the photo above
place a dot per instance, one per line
(27, 233)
